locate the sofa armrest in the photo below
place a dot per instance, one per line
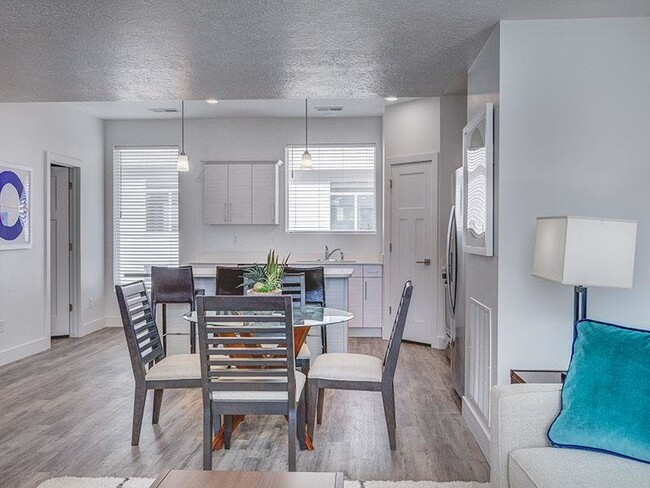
(521, 416)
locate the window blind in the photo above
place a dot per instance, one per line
(145, 211)
(337, 194)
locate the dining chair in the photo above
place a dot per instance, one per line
(173, 285)
(293, 285)
(347, 371)
(152, 369)
(314, 291)
(230, 280)
(256, 380)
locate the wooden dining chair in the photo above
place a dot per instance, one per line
(347, 371)
(256, 380)
(152, 369)
(173, 285)
(230, 280)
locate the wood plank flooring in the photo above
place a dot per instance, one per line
(67, 412)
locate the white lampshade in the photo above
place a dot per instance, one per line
(585, 251)
(183, 163)
(306, 161)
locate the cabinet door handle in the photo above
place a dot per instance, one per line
(230, 212)
(225, 212)
(365, 290)
(273, 213)
(426, 262)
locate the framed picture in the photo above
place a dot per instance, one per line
(15, 207)
(478, 183)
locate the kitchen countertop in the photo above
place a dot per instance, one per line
(207, 270)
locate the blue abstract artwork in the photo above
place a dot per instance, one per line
(15, 207)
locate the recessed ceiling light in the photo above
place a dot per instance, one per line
(212, 100)
(391, 99)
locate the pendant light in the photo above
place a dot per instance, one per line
(183, 162)
(306, 157)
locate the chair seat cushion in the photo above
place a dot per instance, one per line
(549, 467)
(176, 367)
(259, 396)
(305, 352)
(347, 367)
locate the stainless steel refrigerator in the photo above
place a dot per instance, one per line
(454, 278)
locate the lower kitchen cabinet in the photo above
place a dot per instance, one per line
(365, 301)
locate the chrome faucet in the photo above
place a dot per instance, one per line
(328, 253)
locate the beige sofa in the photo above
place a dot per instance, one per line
(522, 458)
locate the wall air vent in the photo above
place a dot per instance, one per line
(164, 110)
(334, 108)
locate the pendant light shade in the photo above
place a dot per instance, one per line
(183, 162)
(306, 162)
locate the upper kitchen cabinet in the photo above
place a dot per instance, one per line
(241, 193)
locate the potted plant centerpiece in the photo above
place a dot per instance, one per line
(265, 279)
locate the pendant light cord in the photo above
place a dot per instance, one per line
(182, 126)
(306, 126)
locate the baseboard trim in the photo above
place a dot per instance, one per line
(22, 351)
(440, 342)
(477, 427)
(364, 332)
(92, 326)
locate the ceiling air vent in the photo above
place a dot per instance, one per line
(164, 110)
(334, 108)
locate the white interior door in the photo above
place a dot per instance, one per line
(60, 250)
(414, 248)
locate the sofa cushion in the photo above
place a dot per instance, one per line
(547, 467)
(605, 404)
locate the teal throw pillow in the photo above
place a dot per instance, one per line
(606, 394)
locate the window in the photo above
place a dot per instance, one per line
(145, 211)
(337, 194)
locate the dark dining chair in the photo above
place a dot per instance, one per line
(314, 291)
(173, 285)
(235, 333)
(152, 369)
(293, 285)
(347, 371)
(230, 280)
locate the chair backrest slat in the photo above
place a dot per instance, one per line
(395, 341)
(142, 336)
(238, 360)
(230, 280)
(293, 285)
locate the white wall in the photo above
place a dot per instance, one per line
(575, 122)
(240, 139)
(27, 131)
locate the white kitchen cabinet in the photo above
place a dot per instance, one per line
(365, 300)
(240, 193)
(372, 312)
(264, 179)
(215, 194)
(355, 301)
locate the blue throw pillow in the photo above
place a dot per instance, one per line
(606, 395)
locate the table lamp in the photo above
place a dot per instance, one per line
(583, 252)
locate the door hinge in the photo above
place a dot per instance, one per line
(390, 247)
(390, 184)
(70, 185)
(70, 246)
(70, 307)
(390, 310)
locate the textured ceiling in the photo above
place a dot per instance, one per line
(88, 50)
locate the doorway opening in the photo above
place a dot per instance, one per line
(63, 249)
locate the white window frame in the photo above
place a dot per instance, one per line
(145, 274)
(375, 190)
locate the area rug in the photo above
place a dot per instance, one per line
(146, 483)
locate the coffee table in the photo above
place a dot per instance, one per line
(245, 479)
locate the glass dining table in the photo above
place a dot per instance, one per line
(304, 318)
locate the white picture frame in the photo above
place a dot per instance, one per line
(478, 184)
(15, 207)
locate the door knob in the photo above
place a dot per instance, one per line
(426, 262)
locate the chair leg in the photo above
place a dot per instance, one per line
(164, 327)
(157, 402)
(193, 337)
(207, 438)
(388, 397)
(138, 412)
(319, 407)
(302, 412)
(227, 431)
(312, 399)
(292, 438)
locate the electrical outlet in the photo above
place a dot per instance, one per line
(2, 326)
(235, 238)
